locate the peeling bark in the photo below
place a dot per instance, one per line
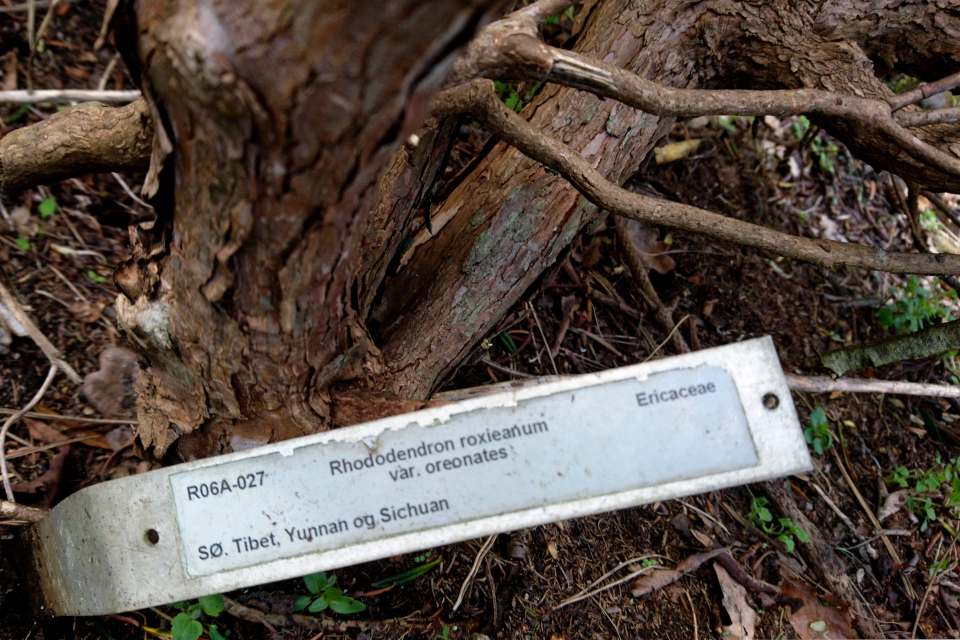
(510, 218)
(245, 317)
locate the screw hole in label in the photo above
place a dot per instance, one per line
(151, 536)
(771, 402)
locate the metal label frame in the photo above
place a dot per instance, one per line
(117, 546)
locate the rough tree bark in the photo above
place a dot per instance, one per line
(279, 120)
(282, 217)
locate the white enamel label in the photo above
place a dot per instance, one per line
(573, 445)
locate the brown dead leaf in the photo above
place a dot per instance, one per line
(593, 252)
(43, 432)
(9, 62)
(25, 225)
(892, 504)
(743, 619)
(111, 389)
(88, 311)
(49, 482)
(663, 577)
(652, 251)
(815, 620)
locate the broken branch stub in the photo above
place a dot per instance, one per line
(88, 138)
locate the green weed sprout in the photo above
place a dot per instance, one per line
(916, 307)
(187, 625)
(818, 433)
(926, 482)
(784, 529)
(324, 594)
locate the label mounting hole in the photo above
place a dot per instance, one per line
(151, 536)
(771, 401)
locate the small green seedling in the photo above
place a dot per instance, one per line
(446, 633)
(406, 576)
(916, 307)
(47, 208)
(926, 482)
(783, 529)
(23, 243)
(324, 594)
(818, 433)
(96, 277)
(187, 624)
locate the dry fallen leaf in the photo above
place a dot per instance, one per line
(815, 620)
(676, 150)
(43, 432)
(592, 253)
(111, 389)
(892, 504)
(49, 482)
(663, 577)
(743, 619)
(652, 251)
(88, 311)
(24, 224)
(9, 62)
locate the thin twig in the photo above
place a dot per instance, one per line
(45, 23)
(31, 23)
(880, 534)
(17, 8)
(69, 284)
(105, 78)
(693, 612)
(59, 96)
(11, 420)
(56, 417)
(36, 335)
(639, 270)
(25, 451)
(627, 578)
(873, 519)
(502, 369)
(126, 189)
(923, 118)
(824, 384)
(546, 343)
(926, 593)
(840, 514)
(938, 202)
(487, 545)
(706, 516)
(271, 620)
(20, 513)
(625, 563)
(924, 91)
(670, 335)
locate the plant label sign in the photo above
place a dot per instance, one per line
(528, 456)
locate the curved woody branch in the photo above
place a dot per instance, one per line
(479, 100)
(510, 48)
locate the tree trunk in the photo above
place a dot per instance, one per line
(284, 212)
(280, 119)
(510, 219)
